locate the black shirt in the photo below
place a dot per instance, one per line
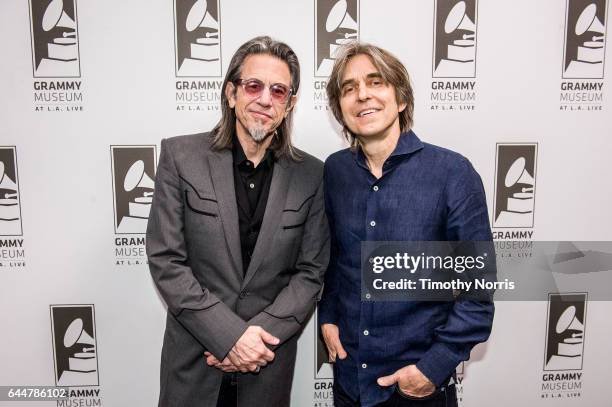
(252, 186)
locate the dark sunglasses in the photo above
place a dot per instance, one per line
(254, 88)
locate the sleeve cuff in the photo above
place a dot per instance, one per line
(282, 328)
(217, 328)
(438, 364)
(326, 313)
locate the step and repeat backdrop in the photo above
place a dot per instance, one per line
(89, 88)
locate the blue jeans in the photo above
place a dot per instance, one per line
(445, 397)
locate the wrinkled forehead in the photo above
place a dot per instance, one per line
(267, 68)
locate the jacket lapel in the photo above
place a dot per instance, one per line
(277, 197)
(222, 174)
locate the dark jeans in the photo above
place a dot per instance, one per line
(228, 393)
(445, 397)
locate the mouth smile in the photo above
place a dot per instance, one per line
(367, 112)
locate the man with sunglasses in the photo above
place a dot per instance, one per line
(238, 241)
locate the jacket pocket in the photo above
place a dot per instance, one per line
(201, 205)
(295, 215)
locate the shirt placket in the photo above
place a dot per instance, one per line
(373, 196)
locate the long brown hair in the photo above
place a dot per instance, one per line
(223, 132)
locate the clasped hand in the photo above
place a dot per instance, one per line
(248, 354)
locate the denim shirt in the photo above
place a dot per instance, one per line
(426, 193)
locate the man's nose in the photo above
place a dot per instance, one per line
(364, 92)
(265, 99)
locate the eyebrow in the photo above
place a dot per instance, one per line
(368, 76)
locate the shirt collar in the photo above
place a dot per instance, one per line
(240, 157)
(407, 144)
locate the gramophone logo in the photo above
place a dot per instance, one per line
(337, 23)
(197, 37)
(10, 208)
(515, 182)
(55, 41)
(454, 50)
(133, 169)
(585, 39)
(565, 331)
(74, 345)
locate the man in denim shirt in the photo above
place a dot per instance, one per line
(390, 186)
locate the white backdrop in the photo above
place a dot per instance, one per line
(60, 225)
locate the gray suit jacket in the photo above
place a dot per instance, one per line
(193, 245)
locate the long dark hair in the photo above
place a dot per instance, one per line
(223, 132)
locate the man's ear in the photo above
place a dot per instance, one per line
(290, 105)
(230, 94)
(401, 107)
